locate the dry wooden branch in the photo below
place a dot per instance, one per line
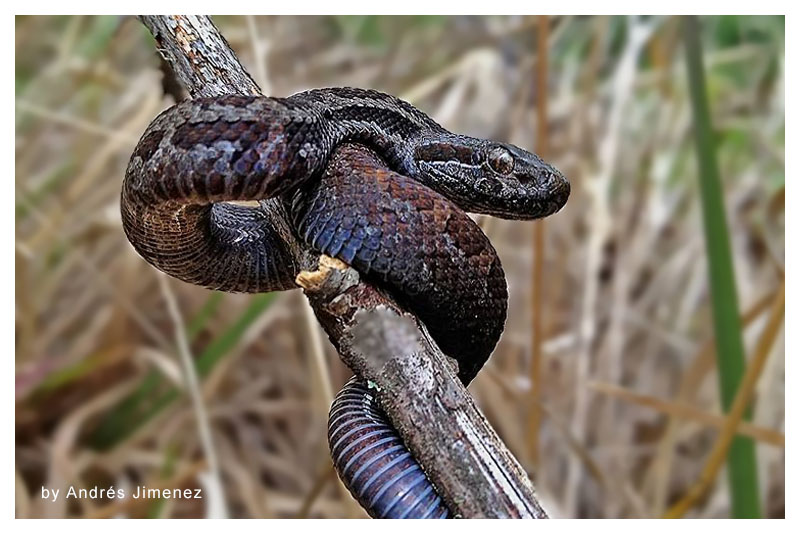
(463, 456)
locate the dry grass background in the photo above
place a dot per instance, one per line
(629, 399)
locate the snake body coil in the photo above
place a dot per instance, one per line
(393, 212)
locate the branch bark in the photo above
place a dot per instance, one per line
(470, 466)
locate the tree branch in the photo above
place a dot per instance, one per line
(470, 466)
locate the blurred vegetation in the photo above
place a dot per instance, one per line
(631, 404)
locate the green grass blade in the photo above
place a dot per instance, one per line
(230, 337)
(199, 321)
(742, 474)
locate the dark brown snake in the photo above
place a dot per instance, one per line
(396, 213)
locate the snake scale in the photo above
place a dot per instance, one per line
(394, 212)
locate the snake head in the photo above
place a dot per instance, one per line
(488, 177)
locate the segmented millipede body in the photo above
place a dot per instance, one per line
(375, 464)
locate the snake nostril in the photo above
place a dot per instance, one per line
(555, 181)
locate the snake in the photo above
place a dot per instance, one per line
(364, 177)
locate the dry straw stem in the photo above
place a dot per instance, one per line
(215, 498)
(56, 117)
(259, 49)
(323, 394)
(689, 412)
(328, 475)
(738, 408)
(537, 276)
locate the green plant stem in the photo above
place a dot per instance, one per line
(742, 475)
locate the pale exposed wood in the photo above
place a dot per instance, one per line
(201, 58)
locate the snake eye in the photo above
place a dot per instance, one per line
(501, 160)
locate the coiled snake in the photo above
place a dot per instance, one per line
(394, 213)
